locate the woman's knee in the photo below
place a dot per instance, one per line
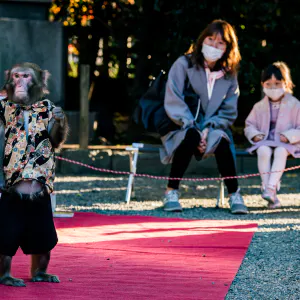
(264, 152)
(280, 152)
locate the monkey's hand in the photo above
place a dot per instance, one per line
(58, 127)
(59, 115)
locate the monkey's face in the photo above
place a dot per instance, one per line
(26, 83)
(21, 81)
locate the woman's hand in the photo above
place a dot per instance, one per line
(202, 146)
(258, 138)
(283, 139)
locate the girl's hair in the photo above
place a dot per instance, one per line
(281, 72)
(230, 60)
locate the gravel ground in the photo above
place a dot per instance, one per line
(271, 268)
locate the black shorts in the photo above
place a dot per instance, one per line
(27, 224)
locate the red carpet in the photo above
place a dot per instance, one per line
(135, 257)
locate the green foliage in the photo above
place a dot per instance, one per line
(267, 30)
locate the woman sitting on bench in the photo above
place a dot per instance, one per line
(204, 125)
(273, 127)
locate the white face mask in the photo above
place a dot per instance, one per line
(274, 94)
(211, 54)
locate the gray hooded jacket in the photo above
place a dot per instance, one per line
(217, 113)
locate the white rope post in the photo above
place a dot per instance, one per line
(222, 193)
(221, 196)
(133, 158)
(53, 201)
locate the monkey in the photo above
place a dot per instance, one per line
(31, 128)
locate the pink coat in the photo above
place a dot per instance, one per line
(288, 123)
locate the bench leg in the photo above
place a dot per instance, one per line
(133, 157)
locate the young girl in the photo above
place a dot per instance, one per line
(273, 127)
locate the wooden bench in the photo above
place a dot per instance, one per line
(136, 148)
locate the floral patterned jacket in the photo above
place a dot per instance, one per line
(28, 155)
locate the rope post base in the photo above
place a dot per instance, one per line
(59, 214)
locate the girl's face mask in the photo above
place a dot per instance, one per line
(274, 88)
(274, 94)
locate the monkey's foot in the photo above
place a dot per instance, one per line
(11, 281)
(44, 277)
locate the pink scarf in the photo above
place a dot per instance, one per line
(211, 78)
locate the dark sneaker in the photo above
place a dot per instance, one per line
(171, 201)
(237, 205)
